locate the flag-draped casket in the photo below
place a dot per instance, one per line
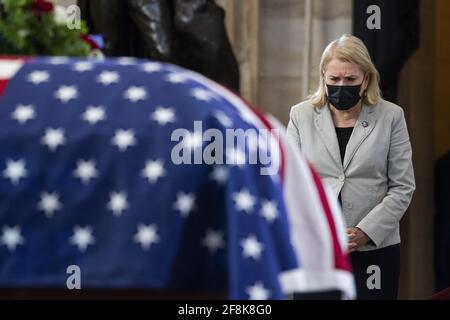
(124, 168)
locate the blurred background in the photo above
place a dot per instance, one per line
(278, 45)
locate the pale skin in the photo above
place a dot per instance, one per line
(343, 73)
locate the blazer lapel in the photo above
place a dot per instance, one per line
(363, 127)
(325, 126)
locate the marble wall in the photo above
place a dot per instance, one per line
(272, 52)
(282, 48)
(442, 121)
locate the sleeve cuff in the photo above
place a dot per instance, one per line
(370, 229)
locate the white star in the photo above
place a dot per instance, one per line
(193, 140)
(176, 78)
(163, 115)
(185, 203)
(11, 237)
(82, 237)
(66, 93)
(220, 174)
(213, 240)
(83, 66)
(151, 67)
(38, 76)
(174, 69)
(244, 201)
(235, 157)
(53, 138)
(15, 170)
(247, 116)
(269, 210)
(59, 60)
(224, 119)
(251, 247)
(49, 203)
(23, 113)
(126, 61)
(202, 94)
(94, 114)
(146, 235)
(123, 139)
(108, 77)
(257, 292)
(117, 203)
(135, 94)
(85, 170)
(275, 178)
(154, 170)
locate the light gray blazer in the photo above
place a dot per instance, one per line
(376, 180)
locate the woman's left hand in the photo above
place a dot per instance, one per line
(356, 238)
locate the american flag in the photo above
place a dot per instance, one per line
(86, 179)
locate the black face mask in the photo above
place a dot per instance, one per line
(343, 97)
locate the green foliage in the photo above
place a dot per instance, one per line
(22, 32)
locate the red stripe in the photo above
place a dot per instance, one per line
(3, 84)
(24, 58)
(441, 295)
(340, 259)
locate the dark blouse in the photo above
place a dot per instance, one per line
(343, 135)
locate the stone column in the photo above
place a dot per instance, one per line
(282, 48)
(243, 23)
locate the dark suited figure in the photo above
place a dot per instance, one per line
(442, 223)
(392, 45)
(189, 33)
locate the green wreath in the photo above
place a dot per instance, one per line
(32, 27)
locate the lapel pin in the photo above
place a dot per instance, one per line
(365, 124)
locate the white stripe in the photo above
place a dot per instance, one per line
(8, 68)
(301, 280)
(309, 225)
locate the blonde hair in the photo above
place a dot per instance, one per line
(350, 49)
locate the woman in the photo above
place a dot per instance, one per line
(360, 145)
